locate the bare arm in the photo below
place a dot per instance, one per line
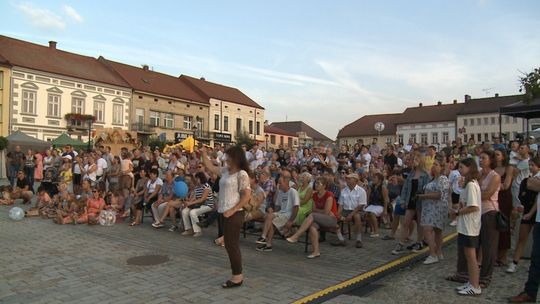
(328, 206)
(201, 200)
(533, 184)
(493, 186)
(307, 197)
(386, 199)
(208, 163)
(507, 183)
(245, 196)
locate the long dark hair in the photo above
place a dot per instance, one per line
(238, 157)
(473, 169)
(491, 155)
(505, 157)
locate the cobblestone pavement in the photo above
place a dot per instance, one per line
(426, 284)
(42, 262)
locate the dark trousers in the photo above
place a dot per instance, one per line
(531, 287)
(220, 222)
(231, 235)
(12, 174)
(489, 242)
(29, 172)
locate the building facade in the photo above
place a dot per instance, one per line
(363, 130)
(277, 138)
(5, 88)
(231, 112)
(307, 136)
(163, 105)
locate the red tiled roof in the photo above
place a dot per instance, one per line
(488, 104)
(42, 58)
(365, 126)
(300, 126)
(276, 130)
(153, 82)
(434, 113)
(218, 91)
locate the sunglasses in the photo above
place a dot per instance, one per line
(94, 191)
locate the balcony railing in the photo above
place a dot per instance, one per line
(143, 128)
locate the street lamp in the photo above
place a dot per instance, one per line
(89, 121)
(266, 137)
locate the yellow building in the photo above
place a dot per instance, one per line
(5, 75)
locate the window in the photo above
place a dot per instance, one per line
(465, 122)
(77, 105)
(187, 122)
(118, 114)
(154, 118)
(281, 140)
(389, 140)
(507, 119)
(29, 102)
(250, 127)
(289, 142)
(435, 138)
(400, 138)
(53, 105)
(423, 138)
(492, 120)
(515, 119)
(200, 123)
(258, 128)
(99, 111)
(168, 120)
(486, 120)
(273, 139)
(445, 138)
(238, 125)
(479, 136)
(493, 136)
(412, 137)
(139, 113)
(471, 121)
(486, 137)
(479, 121)
(226, 123)
(1, 79)
(216, 122)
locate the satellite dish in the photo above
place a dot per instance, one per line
(379, 126)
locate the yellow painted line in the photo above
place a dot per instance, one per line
(368, 274)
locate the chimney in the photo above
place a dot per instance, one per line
(420, 105)
(52, 44)
(455, 101)
(203, 79)
(496, 94)
(439, 103)
(467, 98)
(145, 67)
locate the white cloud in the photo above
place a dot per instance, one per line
(72, 13)
(41, 18)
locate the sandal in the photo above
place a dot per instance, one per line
(456, 278)
(231, 284)
(134, 224)
(499, 263)
(218, 243)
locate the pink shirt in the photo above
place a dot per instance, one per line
(491, 204)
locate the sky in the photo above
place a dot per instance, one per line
(326, 63)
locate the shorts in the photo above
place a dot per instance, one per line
(324, 221)
(455, 198)
(414, 204)
(398, 210)
(375, 209)
(280, 220)
(468, 241)
(530, 221)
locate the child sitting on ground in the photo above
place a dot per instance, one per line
(45, 204)
(6, 195)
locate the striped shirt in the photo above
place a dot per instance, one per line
(199, 193)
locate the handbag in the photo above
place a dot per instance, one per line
(501, 222)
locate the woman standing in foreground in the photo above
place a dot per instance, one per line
(234, 193)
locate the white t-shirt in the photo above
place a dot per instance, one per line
(351, 199)
(287, 201)
(513, 160)
(533, 147)
(469, 224)
(101, 166)
(230, 186)
(151, 186)
(453, 177)
(366, 158)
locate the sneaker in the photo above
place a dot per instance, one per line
(431, 260)
(187, 232)
(261, 241)
(173, 228)
(512, 267)
(388, 238)
(338, 243)
(158, 225)
(374, 235)
(441, 257)
(264, 248)
(470, 291)
(410, 247)
(464, 286)
(359, 244)
(453, 223)
(400, 248)
(197, 234)
(418, 247)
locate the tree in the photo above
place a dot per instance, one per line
(530, 83)
(3, 143)
(244, 139)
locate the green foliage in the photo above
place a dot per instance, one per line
(3, 143)
(530, 85)
(245, 139)
(153, 142)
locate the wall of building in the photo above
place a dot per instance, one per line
(40, 86)
(381, 140)
(5, 88)
(486, 125)
(278, 140)
(163, 106)
(437, 133)
(233, 112)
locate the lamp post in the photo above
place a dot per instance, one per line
(89, 122)
(266, 137)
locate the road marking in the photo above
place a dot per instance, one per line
(366, 275)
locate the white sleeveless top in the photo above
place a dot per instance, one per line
(230, 186)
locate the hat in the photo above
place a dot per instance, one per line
(353, 175)
(531, 137)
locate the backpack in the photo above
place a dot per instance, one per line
(526, 197)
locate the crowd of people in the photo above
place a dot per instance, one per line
(408, 189)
